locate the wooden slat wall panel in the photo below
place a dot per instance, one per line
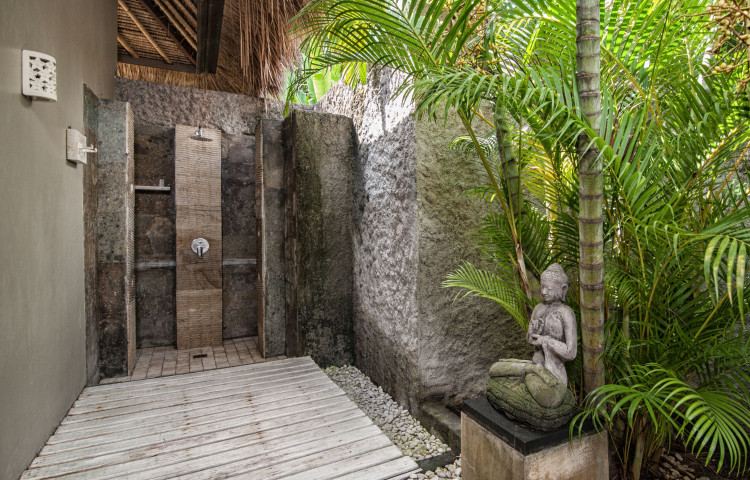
(198, 214)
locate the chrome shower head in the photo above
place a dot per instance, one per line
(199, 136)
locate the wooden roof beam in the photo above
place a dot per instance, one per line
(175, 17)
(149, 62)
(177, 37)
(210, 15)
(127, 46)
(143, 30)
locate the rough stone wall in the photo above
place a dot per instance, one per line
(385, 235)
(169, 105)
(270, 208)
(239, 296)
(320, 151)
(155, 238)
(458, 340)
(115, 160)
(412, 227)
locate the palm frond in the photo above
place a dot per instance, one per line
(497, 285)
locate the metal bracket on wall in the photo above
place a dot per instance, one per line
(153, 188)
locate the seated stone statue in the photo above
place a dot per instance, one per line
(536, 391)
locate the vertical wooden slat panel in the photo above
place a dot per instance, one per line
(198, 214)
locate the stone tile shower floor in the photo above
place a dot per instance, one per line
(156, 362)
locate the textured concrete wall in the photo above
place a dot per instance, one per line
(320, 153)
(458, 340)
(42, 306)
(412, 227)
(168, 105)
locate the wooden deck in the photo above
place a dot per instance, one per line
(282, 419)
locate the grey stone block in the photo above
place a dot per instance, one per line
(440, 421)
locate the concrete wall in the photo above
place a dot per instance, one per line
(42, 311)
(411, 228)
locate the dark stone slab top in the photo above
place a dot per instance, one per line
(522, 438)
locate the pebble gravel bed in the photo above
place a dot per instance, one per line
(394, 420)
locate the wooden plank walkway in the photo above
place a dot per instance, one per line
(279, 420)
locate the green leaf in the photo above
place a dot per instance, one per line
(741, 258)
(707, 259)
(717, 263)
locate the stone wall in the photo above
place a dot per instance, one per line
(157, 109)
(238, 235)
(91, 105)
(115, 240)
(319, 155)
(386, 312)
(412, 227)
(155, 236)
(169, 105)
(270, 208)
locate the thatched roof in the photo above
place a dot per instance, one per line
(253, 48)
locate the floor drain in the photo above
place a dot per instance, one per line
(200, 355)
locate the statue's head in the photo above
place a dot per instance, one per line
(554, 284)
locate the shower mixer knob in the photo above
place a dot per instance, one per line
(199, 246)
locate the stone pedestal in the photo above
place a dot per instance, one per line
(496, 448)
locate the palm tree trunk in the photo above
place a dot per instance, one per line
(590, 221)
(509, 162)
(512, 175)
(520, 262)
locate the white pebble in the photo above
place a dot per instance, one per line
(394, 420)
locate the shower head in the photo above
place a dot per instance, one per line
(199, 136)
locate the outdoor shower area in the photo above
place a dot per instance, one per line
(195, 237)
(195, 225)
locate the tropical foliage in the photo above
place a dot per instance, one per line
(673, 140)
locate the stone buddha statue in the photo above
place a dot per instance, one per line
(536, 391)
